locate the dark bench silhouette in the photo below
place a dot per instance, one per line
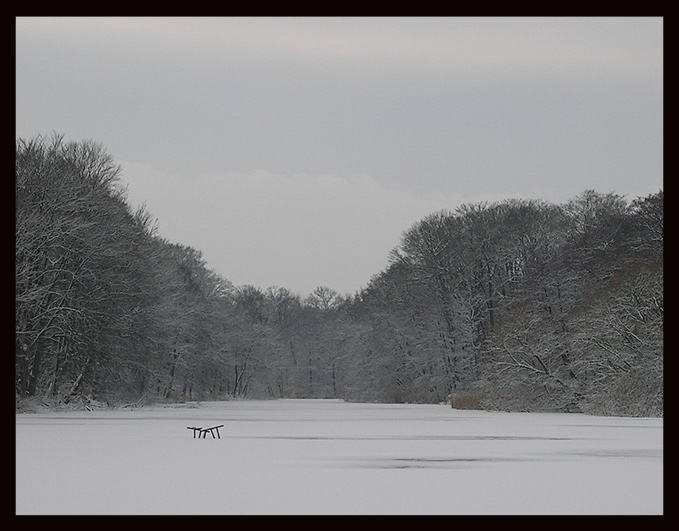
(204, 431)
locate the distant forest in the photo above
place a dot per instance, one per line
(517, 305)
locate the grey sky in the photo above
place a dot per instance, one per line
(295, 151)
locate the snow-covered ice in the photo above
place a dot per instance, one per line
(333, 457)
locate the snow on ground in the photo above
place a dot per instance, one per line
(332, 457)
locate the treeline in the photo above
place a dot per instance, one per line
(525, 305)
(520, 305)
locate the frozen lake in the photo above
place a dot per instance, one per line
(332, 457)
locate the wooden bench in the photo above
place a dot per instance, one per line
(204, 431)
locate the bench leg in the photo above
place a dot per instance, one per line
(202, 432)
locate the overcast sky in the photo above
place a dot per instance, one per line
(295, 151)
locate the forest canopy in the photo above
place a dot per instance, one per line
(517, 305)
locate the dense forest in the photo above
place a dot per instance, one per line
(516, 305)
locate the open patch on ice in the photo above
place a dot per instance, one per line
(427, 462)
